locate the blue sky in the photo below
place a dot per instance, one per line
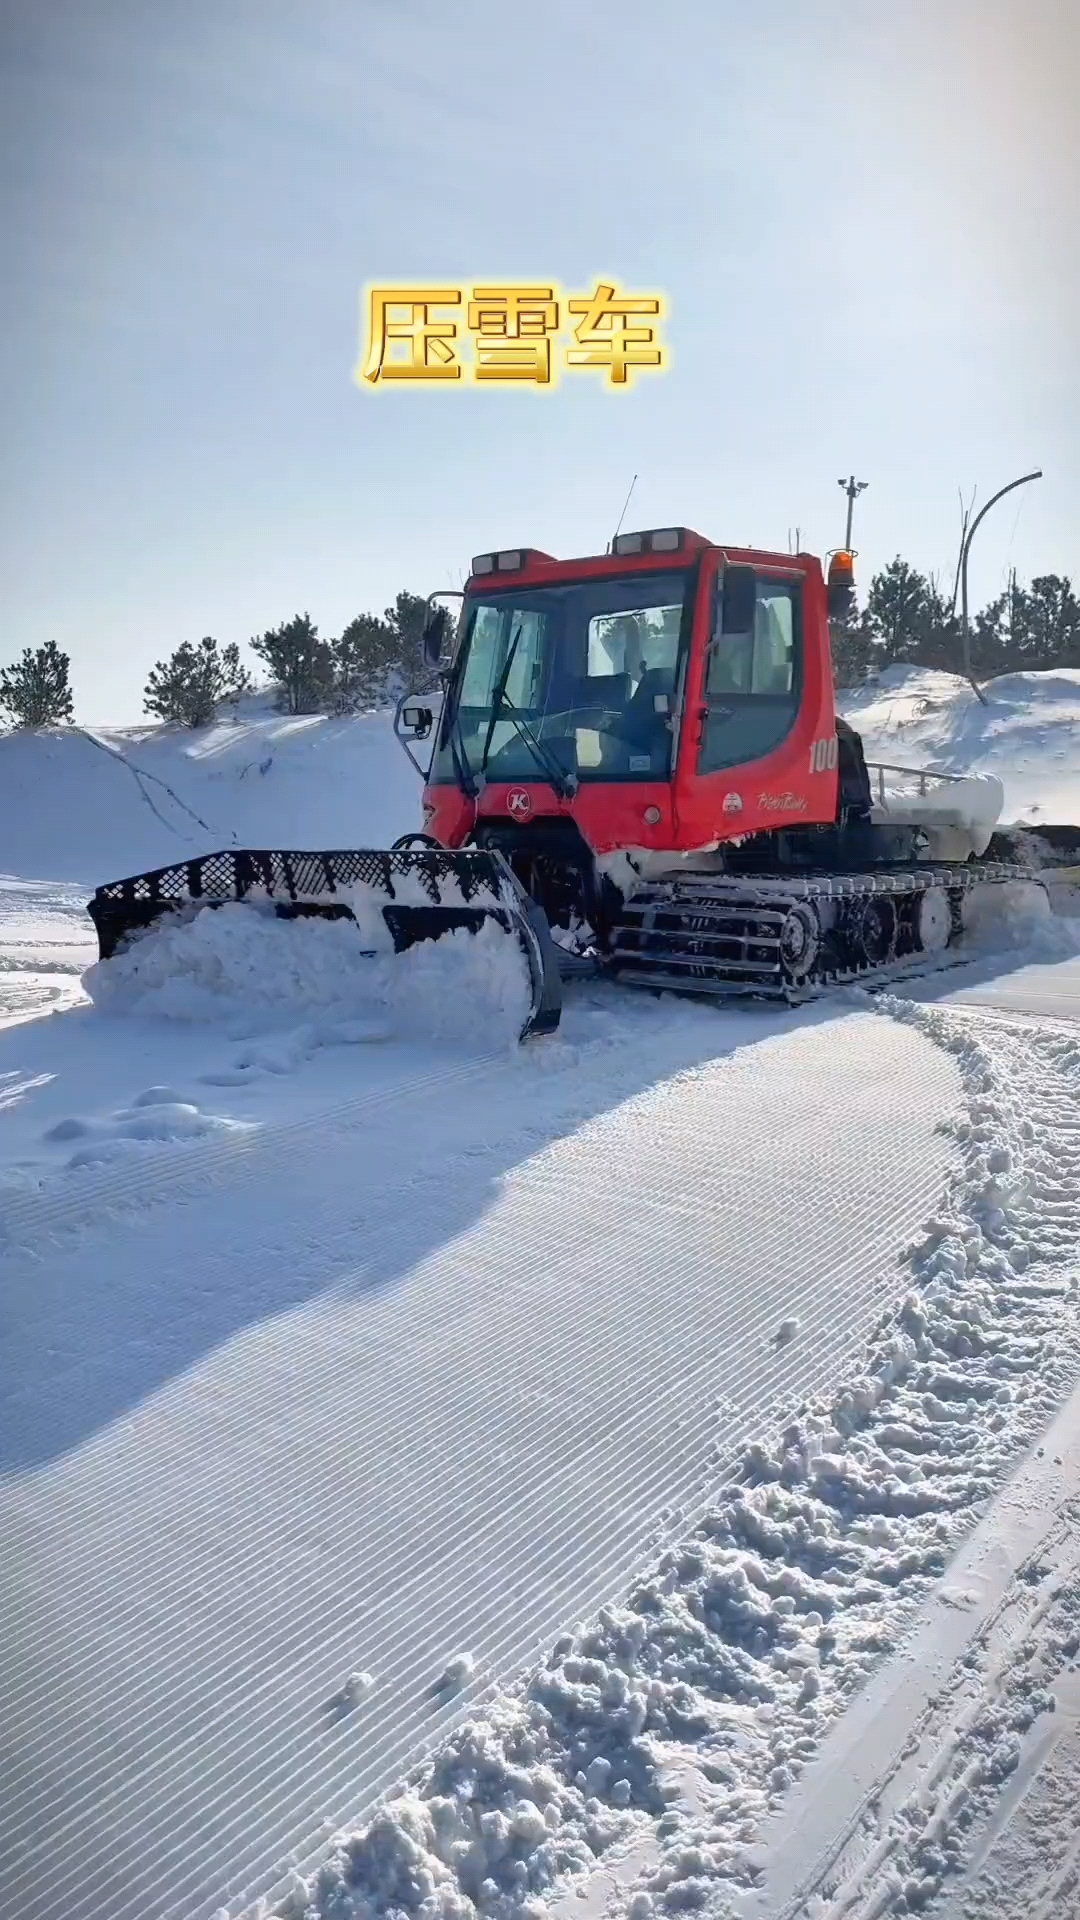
(863, 217)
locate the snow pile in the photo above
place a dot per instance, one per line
(1017, 914)
(242, 961)
(1026, 735)
(739, 1647)
(157, 1117)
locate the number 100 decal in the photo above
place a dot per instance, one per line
(824, 755)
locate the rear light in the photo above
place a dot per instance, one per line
(658, 540)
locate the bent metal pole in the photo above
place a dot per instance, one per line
(964, 551)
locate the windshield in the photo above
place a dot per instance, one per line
(589, 668)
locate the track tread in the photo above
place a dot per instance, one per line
(722, 936)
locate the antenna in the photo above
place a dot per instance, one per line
(622, 515)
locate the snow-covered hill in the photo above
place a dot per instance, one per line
(1028, 733)
(90, 806)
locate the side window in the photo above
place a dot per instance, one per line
(480, 663)
(752, 680)
(762, 660)
(774, 640)
(614, 646)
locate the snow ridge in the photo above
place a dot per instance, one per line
(738, 1649)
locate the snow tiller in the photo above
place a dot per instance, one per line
(420, 892)
(649, 737)
(634, 765)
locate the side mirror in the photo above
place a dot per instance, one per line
(417, 721)
(433, 635)
(739, 602)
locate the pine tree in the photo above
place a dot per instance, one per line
(36, 690)
(938, 642)
(364, 659)
(187, 688)
(407, 617)
(1046, 623)
(375, 660)
(896, 611)
(300, 663)
(991, 641)
(852, 650)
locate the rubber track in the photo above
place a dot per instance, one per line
(739, 897)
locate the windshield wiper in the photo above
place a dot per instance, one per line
(564, 784)
(498, 695)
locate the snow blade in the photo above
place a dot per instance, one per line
(480, 884)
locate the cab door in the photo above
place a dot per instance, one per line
(763, 695)
(752, 671)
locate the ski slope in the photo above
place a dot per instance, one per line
(351, 1354)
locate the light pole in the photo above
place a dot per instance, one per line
(964, 551)
(852, 488)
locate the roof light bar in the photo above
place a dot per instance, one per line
(656, 540)
(508, 560)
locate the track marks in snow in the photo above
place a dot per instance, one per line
(968, 1814)
(288, 1145)
(743, 1644)
(466, 1458)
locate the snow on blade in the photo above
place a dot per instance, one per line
(738, 1648)
(240, 959)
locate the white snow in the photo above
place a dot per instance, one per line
(1025, 736)
(150, 1120)
(338, 1328)
(456, 1672)
(904, 1805)
(417, 1371)
(120, 800)
(741, 1645)
(238, 959)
